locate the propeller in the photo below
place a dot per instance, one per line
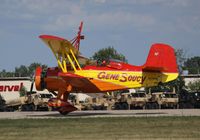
(32, 84)
(39, 79)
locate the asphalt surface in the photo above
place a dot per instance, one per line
(106, 113)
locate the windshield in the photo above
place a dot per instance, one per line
(138, 94)
(46, 96)
(170, 95)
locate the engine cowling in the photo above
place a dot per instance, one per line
(39, 80)
(47, 79)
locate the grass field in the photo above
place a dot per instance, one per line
(101, 128)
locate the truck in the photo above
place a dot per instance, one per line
(102, 103)
(142, 100)
(131, 100)
(139, 100)
(189, 99)
(161, 100)
(91, 101)
(2, 104)
(40, 101)
(19, 94)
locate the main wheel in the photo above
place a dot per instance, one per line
(63, 112)
(118, 106)
(125, 106)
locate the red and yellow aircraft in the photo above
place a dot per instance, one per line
(75, 73)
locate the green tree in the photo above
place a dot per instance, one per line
(27, 71)
(33, 66)
(4, 73)
(194, 86)
(180, 58)
(192, 65)
(108, 53)
(22, 91)
(21, 71)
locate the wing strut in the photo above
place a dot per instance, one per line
(67, 56)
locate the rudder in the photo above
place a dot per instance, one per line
(161, 58)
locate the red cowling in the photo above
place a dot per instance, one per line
(38, 81)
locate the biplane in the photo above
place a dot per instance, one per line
(76, 73)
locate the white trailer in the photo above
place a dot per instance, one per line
(10, 92)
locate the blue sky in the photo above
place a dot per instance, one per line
(130, 26)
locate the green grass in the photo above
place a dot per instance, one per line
(101, 128)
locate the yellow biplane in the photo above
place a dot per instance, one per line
(75, 73)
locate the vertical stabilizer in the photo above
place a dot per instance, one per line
(161, 58)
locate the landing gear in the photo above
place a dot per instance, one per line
(61, 102)
(63, 112)
(63, 107)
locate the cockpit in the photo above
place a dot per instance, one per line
(111, 63)
(108, 64)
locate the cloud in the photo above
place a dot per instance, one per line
(189, 24)
(100, 1)
(62, 22)
(178, 3)
(121, 19)
(135, 21)
(36, 8)
(152, 2)
(69, 19)
(62, 15)
(101, 20)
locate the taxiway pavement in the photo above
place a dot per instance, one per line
(104, 113)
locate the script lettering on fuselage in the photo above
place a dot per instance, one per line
(123, 77)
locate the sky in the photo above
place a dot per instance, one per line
(130, 26)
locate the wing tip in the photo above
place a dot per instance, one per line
(51, 37)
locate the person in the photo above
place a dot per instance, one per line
(103, 63)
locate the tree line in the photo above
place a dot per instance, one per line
(191, 64)
(22, 70)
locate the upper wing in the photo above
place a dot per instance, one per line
(59, 45)
(63, 50)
